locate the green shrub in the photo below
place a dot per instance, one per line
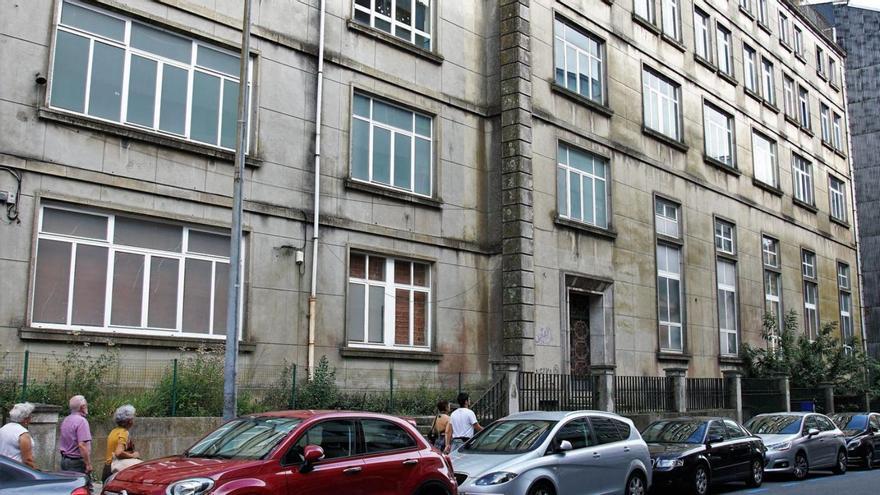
(199, 386)
(321, 391)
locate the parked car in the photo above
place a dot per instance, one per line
(862, 431)
(18, 479)
(799, 441)
(691, 454)
(301, 452)
(549, 453)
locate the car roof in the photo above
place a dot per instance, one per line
(697, 418)
(792, 413)
(305, 414)
(560, 415)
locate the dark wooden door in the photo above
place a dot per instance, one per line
(579, 333)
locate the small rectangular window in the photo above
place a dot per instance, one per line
(804, 107)
(837, 190)
(832, 71)
(719, 136)
(661, 108)
(784, 34)
(763, 12)
(825, 122)
(644, 9)
(764, 159)
(669, 297)
(789, 99)
(772, 280)
(667, 218)
(582, 180)
(808, 264)
(725, 237)
(768, 81)
(724, 43)
(750, 68)
(820, 62)
(409, 20)
(671, 18)
(728, 312)
(702, 34)
(798, 41)
(802, 174)
(837, 132)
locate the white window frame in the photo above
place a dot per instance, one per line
(727, 288)
(768, 81)
(789, 100)
(657, 104)
(804, 107)
(667, 275)
(811, 310)
(645, 9)
(161, 62)
(669, 217)
(820, 61)
(763, 12)
(702, 34)
(798, 41)
(567, 46)
(746, 5)
(147, 253)
(802, 175)
(759, 162)
(718, 136)
(725, 237)
(837, 132)
(832, 71)
(808, 264)
(670, 13)
(825, 122)
(750, 68)
(770, 258)
(371, 11)
(845, 301)
(837, 200)
(389, 310)
(724, 45)
(570, 172)
(784, 33)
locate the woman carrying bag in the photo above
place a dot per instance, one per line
(436, 436)
(120, 448)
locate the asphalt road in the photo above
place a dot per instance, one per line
(855, 482)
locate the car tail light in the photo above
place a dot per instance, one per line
(81, 491)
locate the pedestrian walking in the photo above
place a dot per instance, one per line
(462, 424)
(437, 435)
(15, 441)
(76, 438)
(120, 447)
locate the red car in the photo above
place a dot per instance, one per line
(298, 452)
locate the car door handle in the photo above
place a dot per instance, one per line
(410, 462)
(352, 470)
(626, 449)
(596, 455)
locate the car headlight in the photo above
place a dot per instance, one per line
(670, 463)
(495, 478)
(853, 443)
(192, 486)
(780, 446)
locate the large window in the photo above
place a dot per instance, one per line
(772, 279)
(702, 34)
(825, 122)
(388, 302)
(811, 294)
(768, 81)
(750, 68)
(718, 127)
(724, 44)
(409, 20)
(110, 272)
(837, 190)
(784, 33)
(789, 102)
(670, 299)
(763, 12)
(802, 174)
(579, 61)
(671, 18)
(764, 159)
(391, 145)
(846, 319)
(582, 180)
(727, 306)
(804, 107)
(837, 133)
(661, 104)
(116, 69)
(644, 9)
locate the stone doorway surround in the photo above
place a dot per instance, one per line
(598, 292)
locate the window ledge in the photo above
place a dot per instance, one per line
(122, 131)
(670, 240)
(842, 223)
(598, 107)
(395, 354)
(753, 94)
(665, 139)
(586, 228)
(392, 193)
(834, 86)
(125, 339)
(806, 206)
(771, 106)
(784, 44)
(827, 145)
(397, 43)
(673, 356)
(747, 13)
(705, 62)
(645, 23)
(767, 187)
(839, 153)
(727, 77)
(674, 42)
(725, 255)
(735, 360)
(822, 76)
(732, 170)
(808, 131)
(800, 57)
(765, 27)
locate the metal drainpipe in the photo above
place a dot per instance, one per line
(313, 295)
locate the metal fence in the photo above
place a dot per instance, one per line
(492, 404)
(704, 394)
(641, 394)
(761, 395)
(556, 392)
(808, 399)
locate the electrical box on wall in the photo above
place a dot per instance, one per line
(7, 197)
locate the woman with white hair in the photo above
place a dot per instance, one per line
(120, 448)
(15, 441)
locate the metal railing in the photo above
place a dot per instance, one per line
(492, 404)
(808, 399)
(761, 395)
(641, 394)
(556, 392)
(704, 394)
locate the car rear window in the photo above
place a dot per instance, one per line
(606, 430)
(381, 436)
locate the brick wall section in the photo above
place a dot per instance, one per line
(518, 277)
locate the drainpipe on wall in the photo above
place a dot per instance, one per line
(313, 295)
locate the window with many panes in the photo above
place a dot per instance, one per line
(802, 175)
(725, 237)
(582, 182)
(789, 102)
(388, 302)
(804, 107)
(728, 323)
(644, 9)
(825, 122)
(764, 159)
(579, 61)
(116, 69)
(670, 299)
(768, 81)
(811, 294)
(784, 33)
(671, 18)
(719, 135)
(702, 34)
(724, 44)
(846, 320)
(837, 132)
(772, 278)
(750, 68)
(661, 104)
(391, 145)
(409, 20)
(837, 191)
(798, 41)
(112, 272)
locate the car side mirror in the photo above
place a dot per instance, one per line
(562, 446)
(311, 455)
(714, 439)
(812, 432)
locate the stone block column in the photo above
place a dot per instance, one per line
(43, 429)
(679, 388)
(511, 372)
(784, 393)
(603, 377)
(733, 389)
(517, 216)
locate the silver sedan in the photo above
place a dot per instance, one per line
(547, 453)
(797, 442)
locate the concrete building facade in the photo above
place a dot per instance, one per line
(563, 185)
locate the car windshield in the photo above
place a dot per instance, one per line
(856, 422)
(244, 438)
(510, 437)
(777, 424)
(675, 432)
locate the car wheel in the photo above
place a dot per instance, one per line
(756, 477)
(869, 460)
(700, 483)
(840, 466)
(801, 466)
(636, 485)
(542, 488)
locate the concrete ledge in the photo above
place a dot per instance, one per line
(44, 334)
(392, 193)
(385, 354)
(396, 42)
